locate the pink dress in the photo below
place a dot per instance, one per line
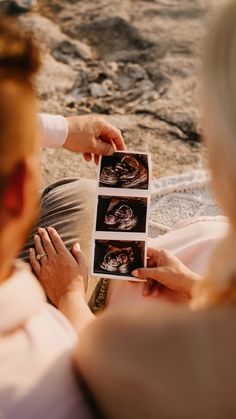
(191, 240)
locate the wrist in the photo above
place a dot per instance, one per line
(73, 306)
(72, 141)
(190, 278)
(71, 296)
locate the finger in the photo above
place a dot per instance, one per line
(96, 158)
(116, 137)
(156, 292)
(146, 273)
(151, 288)
(150, 252)
(46, 241)
(80, 259)
(56, 240)
(78, 254)
(87, 156)
(105, 148)
(151, 262)
(154, 253)
(147, 287)
(34, 263)
(109, 133)
(150, 258)
(160, 274)
(39, 247)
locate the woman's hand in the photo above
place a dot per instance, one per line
(60, 272)
(91, 134)
(166, 269)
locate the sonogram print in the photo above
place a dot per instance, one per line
(124, 170)
(121, 214)
(118, 257)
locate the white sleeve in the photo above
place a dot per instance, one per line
(53, 130)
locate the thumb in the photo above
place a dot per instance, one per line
(76, 252)
(105, 149)
(159, 274)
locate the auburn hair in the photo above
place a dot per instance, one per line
(19, 63)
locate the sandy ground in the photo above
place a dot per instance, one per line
(137, 63)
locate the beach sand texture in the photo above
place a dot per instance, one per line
(135, 62)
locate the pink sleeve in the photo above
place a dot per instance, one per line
(53, 130)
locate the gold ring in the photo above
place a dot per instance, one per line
(38, 257)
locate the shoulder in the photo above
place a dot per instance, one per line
(169, 355)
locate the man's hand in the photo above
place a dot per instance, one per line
(91, 134)
(166, 269)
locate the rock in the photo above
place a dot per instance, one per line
(54, 81)
(17, 6)
(67, 49)
(110, 35)
(50, 36)
(4, 7)
(136, 72)
(98, 90)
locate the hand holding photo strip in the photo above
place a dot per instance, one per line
(120, 226)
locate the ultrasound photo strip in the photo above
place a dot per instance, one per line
(120, 224)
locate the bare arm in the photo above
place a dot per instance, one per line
(75, 308)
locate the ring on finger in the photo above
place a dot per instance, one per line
(38, 257)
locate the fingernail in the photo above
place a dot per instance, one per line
(31, 250)
(40, 229)
(77, 246)
(135, 273)
(36, 236)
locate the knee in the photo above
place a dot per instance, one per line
(86, 189)
(72, 194)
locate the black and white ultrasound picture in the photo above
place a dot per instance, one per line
(121, 214)
(124, 170)
(118, 257)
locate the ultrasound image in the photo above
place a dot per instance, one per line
(121, 214)
(118, 257)
(124, 170)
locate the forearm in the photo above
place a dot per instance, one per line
(75, 308)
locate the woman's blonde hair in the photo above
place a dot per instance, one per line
(220, 133)
(19, 62)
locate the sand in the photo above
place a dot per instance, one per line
(135, 62)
